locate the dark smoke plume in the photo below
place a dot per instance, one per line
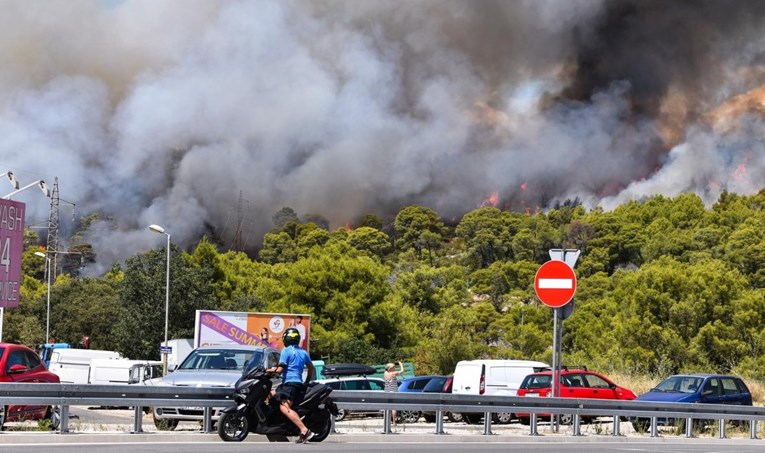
(163, 112)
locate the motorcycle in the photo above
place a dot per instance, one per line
(255, 411)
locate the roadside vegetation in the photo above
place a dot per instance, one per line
(665, 285)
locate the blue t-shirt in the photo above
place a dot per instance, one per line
(294, 359)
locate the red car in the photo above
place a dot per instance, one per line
(21, 364)
(574, 383)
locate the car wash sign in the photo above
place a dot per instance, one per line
(11, 246)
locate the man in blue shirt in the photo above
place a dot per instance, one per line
(291, 364)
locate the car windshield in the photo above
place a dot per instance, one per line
(218, 359)
(536, 381)
(680, 384)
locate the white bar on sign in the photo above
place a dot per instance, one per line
(555, 283)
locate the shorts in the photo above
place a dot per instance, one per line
(291, 391)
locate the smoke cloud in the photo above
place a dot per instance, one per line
(163, 112)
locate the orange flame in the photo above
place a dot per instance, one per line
(348, 228)
(524, 185)
(491, 200)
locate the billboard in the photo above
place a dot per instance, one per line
(11, 247)
(221, 327)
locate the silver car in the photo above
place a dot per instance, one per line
(209, 366)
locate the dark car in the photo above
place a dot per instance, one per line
(574, 383)
(440, 384)
(695, 388)
(21, 364)
(417, 383)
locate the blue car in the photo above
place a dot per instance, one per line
(694, 388)
(418, 383)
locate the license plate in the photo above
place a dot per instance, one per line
(535, 395)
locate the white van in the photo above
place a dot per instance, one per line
(123, 371)
(492, 377)
(73, 365)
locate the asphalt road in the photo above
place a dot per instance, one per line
(109, 430)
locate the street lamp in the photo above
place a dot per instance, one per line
(39, 183)
(159, 229)
(47, 316)
(14, 181)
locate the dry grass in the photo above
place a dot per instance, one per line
(643, 383)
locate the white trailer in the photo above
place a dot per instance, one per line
(73, 365)
(123, 371)
(179, 349)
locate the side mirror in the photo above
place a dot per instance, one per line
(18, 368)
(171, 367)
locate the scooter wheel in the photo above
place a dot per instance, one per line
(233, 426)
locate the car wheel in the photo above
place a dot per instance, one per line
(472, 419)
(454, 417)
(54, 415)
(341, 414)
(503, 418)
(566, 419)
(165, 424)
(409, 416)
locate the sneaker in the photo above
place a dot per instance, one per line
(305, 437)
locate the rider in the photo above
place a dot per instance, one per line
(291, 364)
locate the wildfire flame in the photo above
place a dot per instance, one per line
(491, 200)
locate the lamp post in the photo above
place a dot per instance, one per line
(39, 183)
(159, 229)
(47, 311)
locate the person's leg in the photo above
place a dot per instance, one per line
(286, 408)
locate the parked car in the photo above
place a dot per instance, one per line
(209, 366)
(694, 388)
(574, 383)
(440, 384)
(352, 377)
(19, 363)
(492, 377)
(417, 384)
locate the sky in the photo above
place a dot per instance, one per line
(167, 112)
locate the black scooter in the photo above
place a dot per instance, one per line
(252, 414)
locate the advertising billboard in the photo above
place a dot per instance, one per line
(221, 327)
(11, 248)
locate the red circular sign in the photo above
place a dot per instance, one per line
(555, 283)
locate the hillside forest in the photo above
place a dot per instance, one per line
(665, 285)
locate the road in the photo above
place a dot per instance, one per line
(109, 430)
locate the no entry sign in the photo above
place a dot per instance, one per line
(555, 283)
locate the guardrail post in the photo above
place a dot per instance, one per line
(487, 424)
(207, 420)
(439, 422)
(722, 428)
(617, 426)
(386, 422)
(64, 424)
(138, 420)
(577, 425)
(533, 424)
(654, 429)
(753, 429)
(689, 427)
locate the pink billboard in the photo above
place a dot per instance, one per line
(11, 246)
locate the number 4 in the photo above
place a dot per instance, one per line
(5, 256)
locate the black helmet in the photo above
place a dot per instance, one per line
(291, 337)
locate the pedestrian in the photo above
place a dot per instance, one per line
(391, 381)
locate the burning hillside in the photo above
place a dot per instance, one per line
(164, 112)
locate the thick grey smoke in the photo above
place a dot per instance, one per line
(162, 112)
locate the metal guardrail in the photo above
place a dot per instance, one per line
(139, 396)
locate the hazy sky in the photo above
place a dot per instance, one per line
(163, 111)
